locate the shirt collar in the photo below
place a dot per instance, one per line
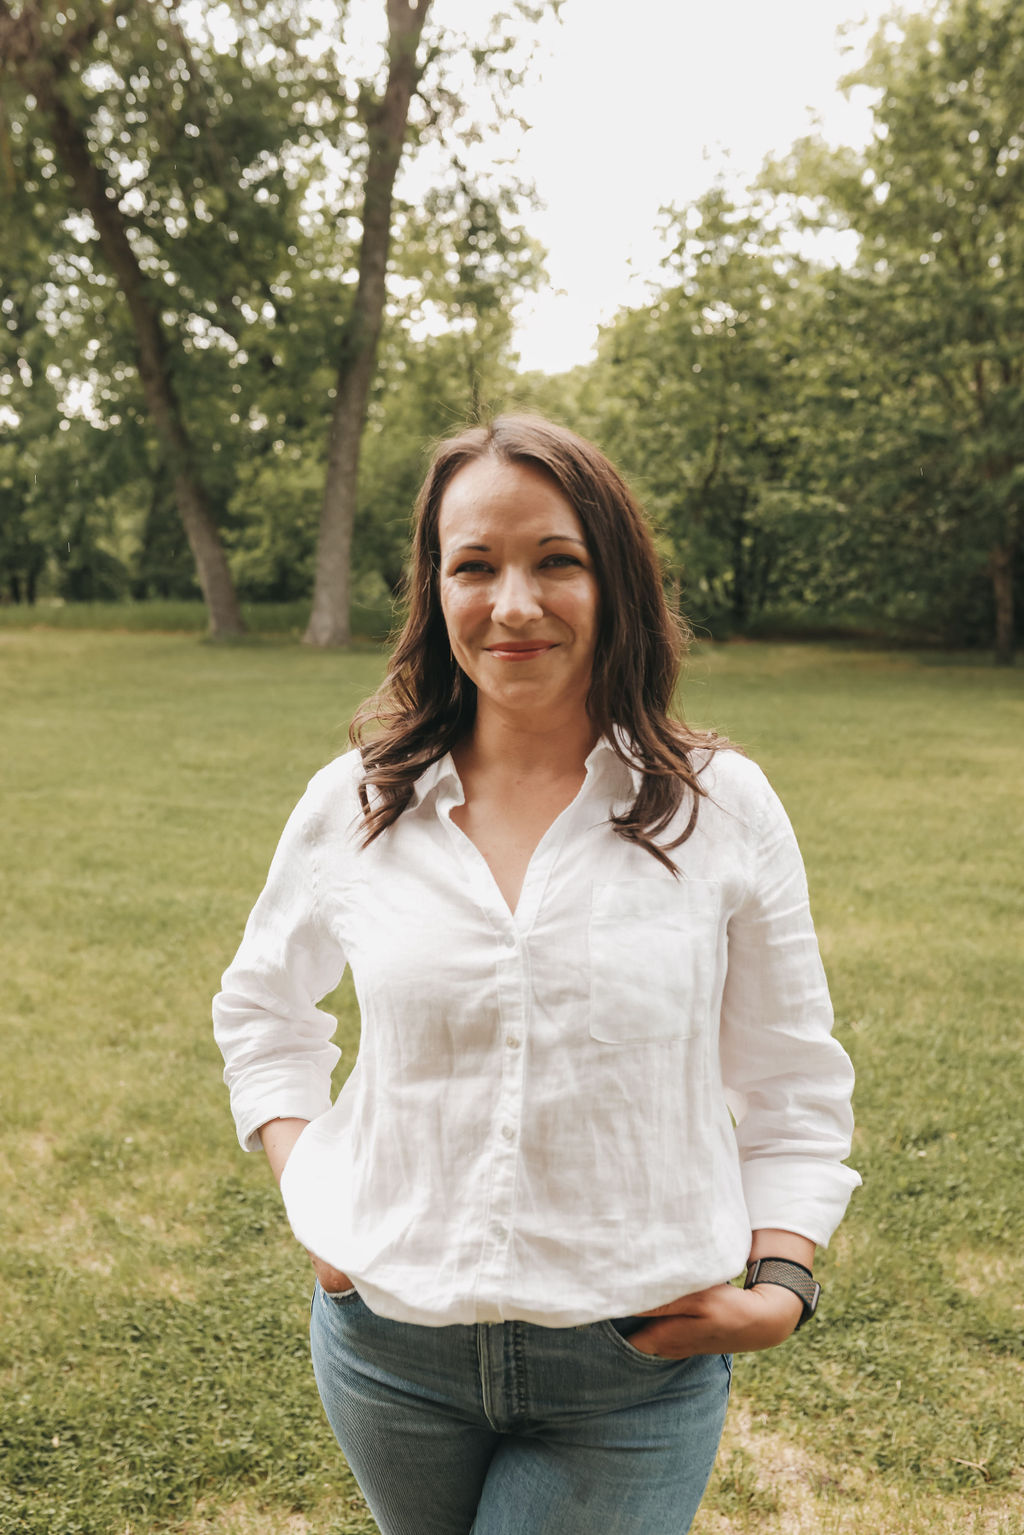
(603, 762)
(433, 777)
(623, 779)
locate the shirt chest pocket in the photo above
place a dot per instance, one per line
(653, 959)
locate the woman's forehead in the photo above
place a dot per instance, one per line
(490, 497)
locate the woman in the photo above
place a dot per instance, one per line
(580, 937)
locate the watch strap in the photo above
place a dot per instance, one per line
(791, 1276)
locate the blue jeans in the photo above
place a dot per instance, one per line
(507, 1428)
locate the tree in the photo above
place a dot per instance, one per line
(228, 174)
(423, 76)
(386, 125)
(936, 289)
(64, 65)
(700, 395)
(445, 356)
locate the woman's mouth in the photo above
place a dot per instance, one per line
(520, 650)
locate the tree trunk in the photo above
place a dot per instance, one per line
(1001, 569)
(386, 129)
(96, 195)
(740, 563)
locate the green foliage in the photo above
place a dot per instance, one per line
(846, 440)
(235, 140)
(702, 397)
(934, 299)
(841, 444)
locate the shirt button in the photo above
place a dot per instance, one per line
(507, 1133)
(500, 1233)
(512, 1042)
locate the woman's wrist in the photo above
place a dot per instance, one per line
(790, 1275)
(772, 1242)
(781, 1308)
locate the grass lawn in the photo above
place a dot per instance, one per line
(178, 616)
(153, 1306)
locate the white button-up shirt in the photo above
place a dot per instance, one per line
(573, 1111)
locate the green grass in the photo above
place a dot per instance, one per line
(179, 616)
(153, 1369)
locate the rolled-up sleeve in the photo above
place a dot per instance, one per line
(275, 1040)
(788, 1082)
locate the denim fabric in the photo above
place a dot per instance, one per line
(508, 1428)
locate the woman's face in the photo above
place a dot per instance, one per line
(518, 590)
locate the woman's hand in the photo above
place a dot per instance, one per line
(331, 1279)
(722, 1320)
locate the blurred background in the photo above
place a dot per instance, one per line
(769, 257)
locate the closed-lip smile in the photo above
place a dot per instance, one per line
(519, 650)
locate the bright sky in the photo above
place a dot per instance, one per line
(640, 104)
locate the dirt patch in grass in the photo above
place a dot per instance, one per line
(344, 1514)
(988, 1275)
(766, 1484)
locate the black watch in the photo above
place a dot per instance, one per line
(791, 1276)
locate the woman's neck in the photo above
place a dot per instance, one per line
(508, 745)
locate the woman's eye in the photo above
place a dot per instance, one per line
(485, 568)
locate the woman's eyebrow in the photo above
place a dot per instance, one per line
(549, 538)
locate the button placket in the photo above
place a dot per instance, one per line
(513, 998)
(514, 989)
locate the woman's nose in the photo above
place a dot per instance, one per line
(516, 600)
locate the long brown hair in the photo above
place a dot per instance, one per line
(426, 703)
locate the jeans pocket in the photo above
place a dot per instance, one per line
(338, 1297)
(623, 1346)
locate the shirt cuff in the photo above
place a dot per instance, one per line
(292, 1104)
(804, 1196)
